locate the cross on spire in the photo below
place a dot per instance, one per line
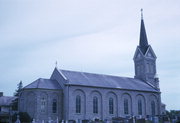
(56, 64)
(141, 13)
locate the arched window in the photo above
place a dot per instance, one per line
(111, 106)
(43, 104)
(126, 108)
(153, 108)
(139, 107)
(54, 106)
(78, 104)
(95, 105)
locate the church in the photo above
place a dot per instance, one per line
(73, 95)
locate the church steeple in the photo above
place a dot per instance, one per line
(145, 59)
(143, 42)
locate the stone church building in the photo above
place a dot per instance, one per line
(73, 95)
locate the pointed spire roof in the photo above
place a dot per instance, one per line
(143, 42)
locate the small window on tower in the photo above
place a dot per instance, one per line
(148, 68)
(152, 68)
(138, 70)
(141, 69)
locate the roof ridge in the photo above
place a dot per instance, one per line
(43, 84)
(38, 82)
(96, 74)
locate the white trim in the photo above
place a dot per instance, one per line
(62, 74)
(136, 52)
(150, 50)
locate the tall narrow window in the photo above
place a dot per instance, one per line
(78, 104)
(153, 108)
(43, 104)
(111, 106)
(138, 69)
(95, 105)
(148, 68)
(126, 108)
(139, 107)
(152, 68)
(54, 106)
(141, 69)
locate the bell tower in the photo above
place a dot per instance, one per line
(145, 59)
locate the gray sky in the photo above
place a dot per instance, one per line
(97, 36)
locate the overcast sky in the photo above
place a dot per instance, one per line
(97, 36)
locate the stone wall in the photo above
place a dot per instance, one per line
(30, 101)
(103, 95)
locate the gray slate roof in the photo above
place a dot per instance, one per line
(43, 84)
(6, 100)
(99, 80)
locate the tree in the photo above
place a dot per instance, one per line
(19, 87)
(15, 102)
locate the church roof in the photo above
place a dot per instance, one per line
(6, 100)
(108, 81)
(43, 84)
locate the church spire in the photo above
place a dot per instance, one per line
(143, 42)
(145, 59)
